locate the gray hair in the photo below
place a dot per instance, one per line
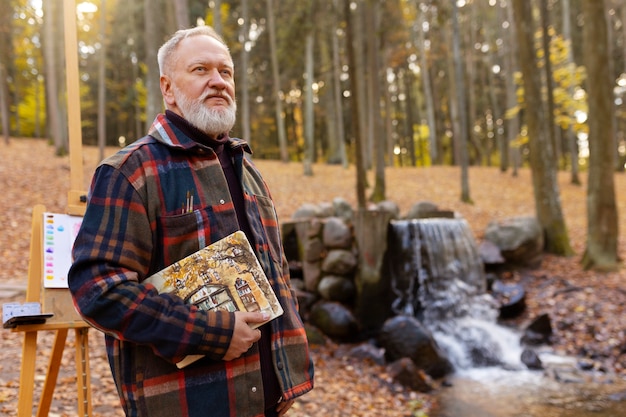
(166, 51)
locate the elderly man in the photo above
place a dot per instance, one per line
(183, 186)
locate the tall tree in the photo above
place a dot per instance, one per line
(602, 223)
(278, 105)
(429, 101)
(102, 82)
(374, 81)
(154, 100)
(181, 8)
(56, 126)
(459, 86)
(542, 162)
(309, 147)
(572, 145)
(242, 85)
(5, 54)
(354, 105)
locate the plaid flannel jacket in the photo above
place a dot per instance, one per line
(136, 223)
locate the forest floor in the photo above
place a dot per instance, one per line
(586, 307)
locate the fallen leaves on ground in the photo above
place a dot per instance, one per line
(587, 308)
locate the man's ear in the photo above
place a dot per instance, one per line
(167, 90)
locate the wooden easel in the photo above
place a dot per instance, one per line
(55, 300)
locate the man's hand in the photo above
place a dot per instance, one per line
(243, 335)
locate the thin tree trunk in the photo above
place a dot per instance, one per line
(569, 133)
(308, 106)
(341, 139)
(280, 122)
(102, 83)
(460, 96)
(182, 14)
(360, 169)
(52, 88)
(428, 92)
(217, 16)
(4, 108)
(371, 13)
(154, 99)
(242, 86)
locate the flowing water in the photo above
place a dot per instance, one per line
(438, 277)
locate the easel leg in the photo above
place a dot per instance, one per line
(27, 375)
(82, 371)
(53, 373)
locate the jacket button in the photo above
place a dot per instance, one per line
(222, 201)
(279, 365)
(253, 389)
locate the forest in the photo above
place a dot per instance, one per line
(368, 83)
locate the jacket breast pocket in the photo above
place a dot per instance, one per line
(181, 235)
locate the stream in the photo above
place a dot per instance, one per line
(500, 393)
(438, 277)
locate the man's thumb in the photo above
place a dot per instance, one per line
(257, 317)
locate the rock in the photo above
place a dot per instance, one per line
(390, 207)
(407, 374)
(367, 351)
(531, 359)
(336, 288)
(538, 332)
(339, 262)
(343, 209)
(511, 297)
(520, 240)
(421, 210)
(306, 211)
(336, 234)
(335, 321)
(490, 253)
(406, 337)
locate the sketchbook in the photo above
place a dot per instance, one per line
(225, 275)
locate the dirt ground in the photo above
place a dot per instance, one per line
(587, 308)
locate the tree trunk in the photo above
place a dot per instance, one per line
(602, 223)
(182, 14)
(102, 133)
(278, 106)
(572, 144)
(371, 19)
(435, 158)
(360, 169)
(460, 97)
(545, 40)
(545, 186)
(242, 85)
(513, 120)
(308, 106)
(154, 99)
(4, 107)
(341, 140)
(52, 87)
(217, 16)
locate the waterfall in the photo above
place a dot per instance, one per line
(437, 276)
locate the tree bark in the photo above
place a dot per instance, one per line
(602, 223)
(542, 162)
(358, 142)
(280, 122)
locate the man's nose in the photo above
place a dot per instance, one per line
(216, 80)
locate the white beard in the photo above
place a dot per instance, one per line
(212, 121)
